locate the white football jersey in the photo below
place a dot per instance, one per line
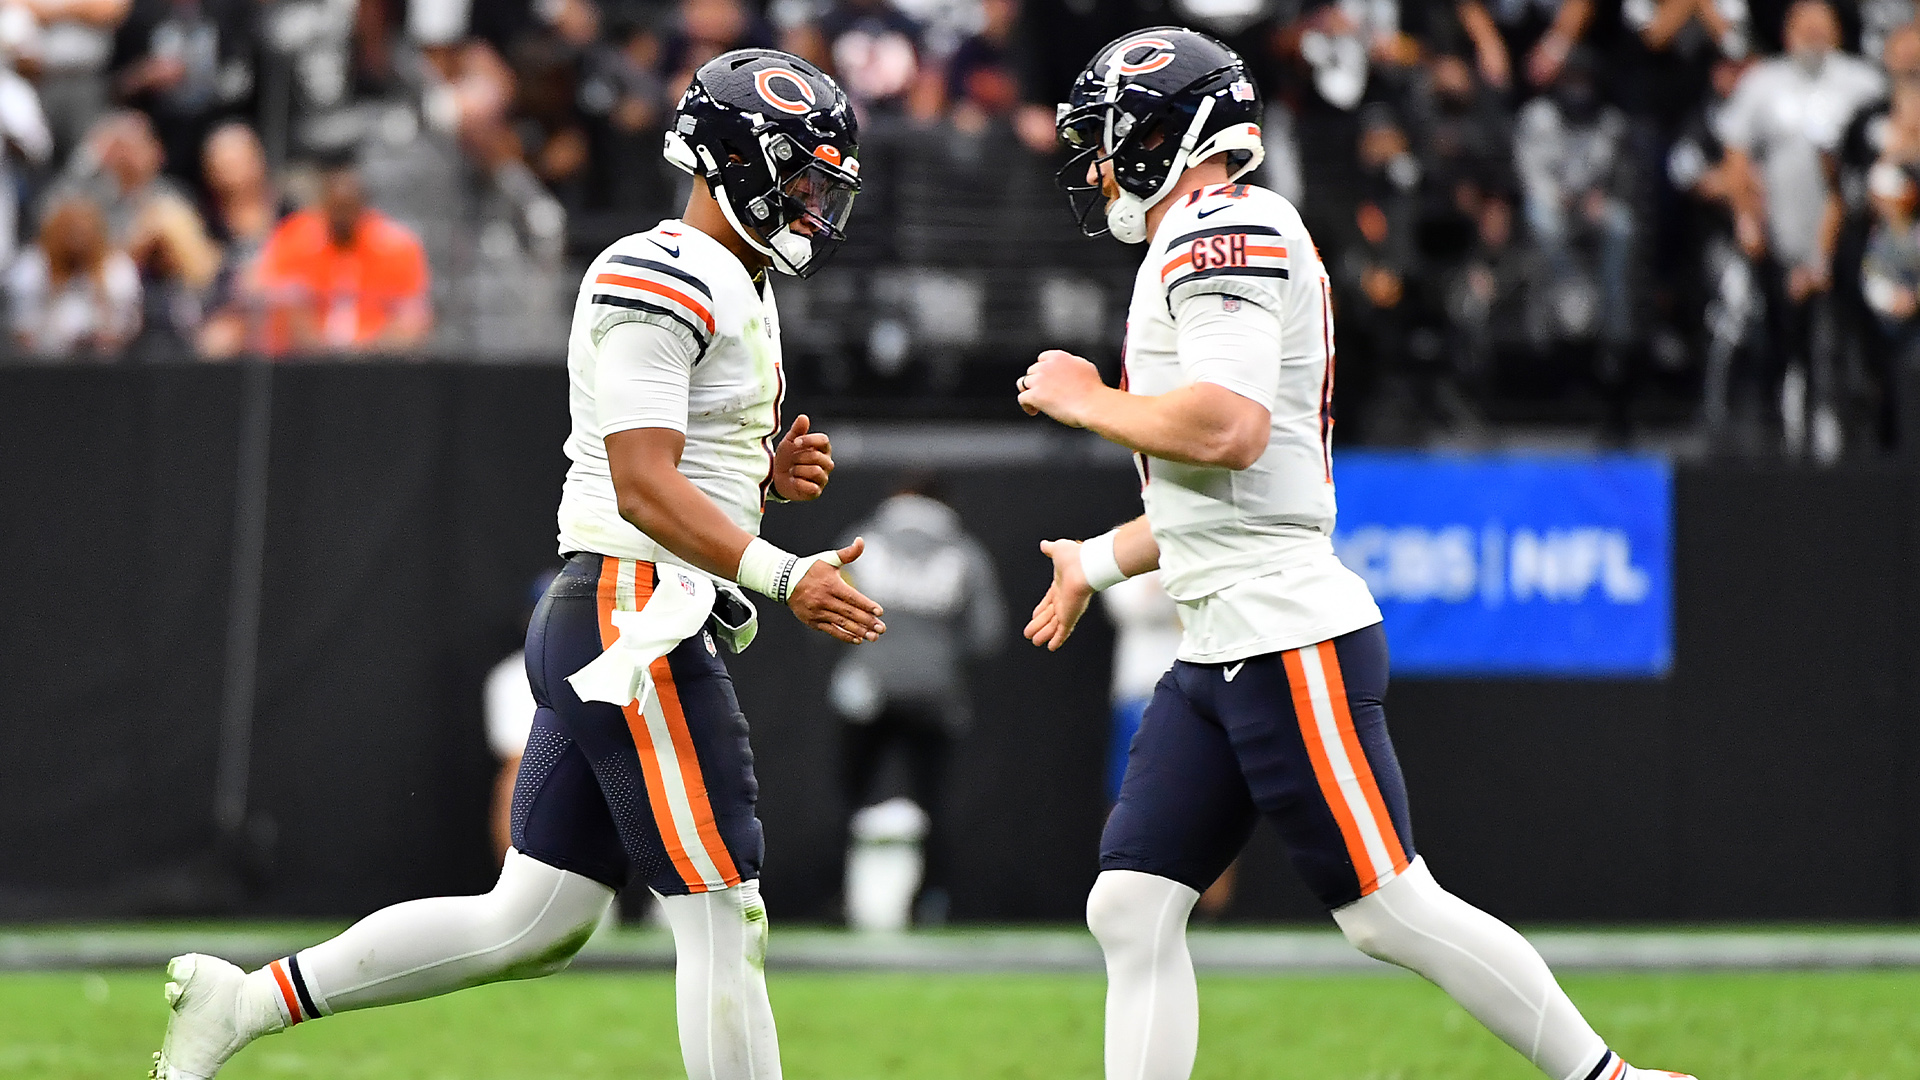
(680, 279)
(1247, 553)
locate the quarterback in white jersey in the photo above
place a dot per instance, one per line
(1275, 706)
(637, 767)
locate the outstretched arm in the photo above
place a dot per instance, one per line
(1082, 568)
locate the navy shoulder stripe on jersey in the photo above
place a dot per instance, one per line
(1223, 230)
(664, 268)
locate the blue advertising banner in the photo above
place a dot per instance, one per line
(1527, 566)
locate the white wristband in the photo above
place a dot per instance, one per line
(1099, 564)
(772, 572)
(767, 570)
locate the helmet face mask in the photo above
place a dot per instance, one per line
(1149, 106)
(777, 144)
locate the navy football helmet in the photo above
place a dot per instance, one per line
(1151, 104)
(777, 143)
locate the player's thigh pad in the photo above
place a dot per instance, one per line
(675, 777)
(1184, 811)
(1309, 731)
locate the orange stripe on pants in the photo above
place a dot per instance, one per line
(696, 783)
(1362, 768)
(1323, 768)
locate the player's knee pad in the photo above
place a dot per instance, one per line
(541, 915)
(1129, 911)
(1399, 916)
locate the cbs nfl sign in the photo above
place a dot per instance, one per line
(1517, 566)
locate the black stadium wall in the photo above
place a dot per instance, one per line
(1771, 775)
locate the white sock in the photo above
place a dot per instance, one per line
(530, 925)
(1153, 1005)
(720, 946)
(1483, 964)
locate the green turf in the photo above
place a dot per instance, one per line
(1813, 1026)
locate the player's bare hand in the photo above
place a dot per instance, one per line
(826, 602)
(1061, 385)
(1058, 612)
(803, 462)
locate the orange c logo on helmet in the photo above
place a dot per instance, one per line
(763, 82)
(1153, 54)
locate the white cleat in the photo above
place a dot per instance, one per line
(204, 1028)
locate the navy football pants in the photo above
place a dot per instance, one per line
(1298, 736)
(664, 796)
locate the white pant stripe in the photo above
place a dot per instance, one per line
(679, 803)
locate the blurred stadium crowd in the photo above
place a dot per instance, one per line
(1619, 215)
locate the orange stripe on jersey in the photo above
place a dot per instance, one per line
(1362, 768)
(1183, 260)
(644, 285)
(696, 784)
(1323, 768)
(1270, 252)
(287, 996)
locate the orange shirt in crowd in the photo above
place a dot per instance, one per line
(372, 292)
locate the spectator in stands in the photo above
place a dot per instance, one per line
(1338, 57)
(70, 54)
(73, 296)
(242, 210)
(1873, 132)
(1463, 136)
(982, 83)
(1890, 274)
(341, 277)
(1539, 33)
(1487, 300)
(1718, 284)
(874, 49)
(1570, 152)
(707, 28)
(1376, 275)
(177, 264)
(547, 60)
(243, 206)
(24, 140)
(119, 169)
(1785, 115)
(188, 66)
(624, 98)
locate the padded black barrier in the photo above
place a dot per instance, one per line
(1771, 775)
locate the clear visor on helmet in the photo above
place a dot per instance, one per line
(819, 197)
(816, 198)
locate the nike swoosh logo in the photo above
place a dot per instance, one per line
(1234, 669)
(1208, 213)
(673, 251)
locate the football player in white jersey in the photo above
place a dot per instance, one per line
(638, 765)
(1275, 705)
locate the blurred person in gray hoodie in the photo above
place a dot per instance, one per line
(907, 694)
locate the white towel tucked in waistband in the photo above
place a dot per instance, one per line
(676, 611)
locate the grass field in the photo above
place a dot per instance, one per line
(619, 1026)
